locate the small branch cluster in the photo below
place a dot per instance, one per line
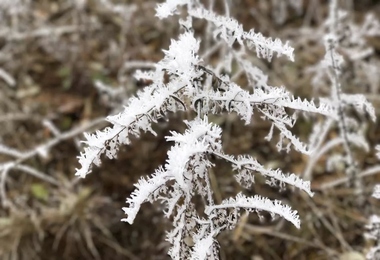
(345, 105)
(182, 81)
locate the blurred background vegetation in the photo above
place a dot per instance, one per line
(51, 55)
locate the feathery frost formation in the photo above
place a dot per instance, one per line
(182, 81)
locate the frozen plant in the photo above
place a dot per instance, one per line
(332, 68)
(183, 80)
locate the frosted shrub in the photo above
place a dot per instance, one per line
(183, 80)
(333, 68)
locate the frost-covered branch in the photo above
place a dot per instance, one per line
(243, 163)
(350, 135)
(259, 203)
(182, 80)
